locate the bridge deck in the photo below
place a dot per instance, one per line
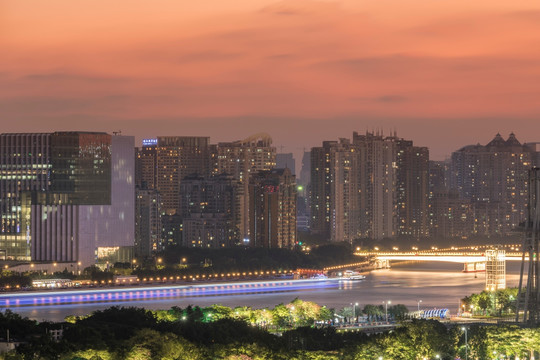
(465, 257)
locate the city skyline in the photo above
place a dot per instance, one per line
(445, 74)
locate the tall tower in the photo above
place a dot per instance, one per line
(147, 222)
(178, 157)
(412, 189)
(378, 185)
(146, 165)
(241, 159)
(529, 298)
(272, 209)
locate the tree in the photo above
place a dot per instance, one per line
(218, 312)
(281, 316)
(194, 314)
(398, 311)
(155, 345)
(304, 312)
(90, 354)
(371, 350)
(347, 312)
(261, 317)
(325, 314)
(477, 343)
(373, 310)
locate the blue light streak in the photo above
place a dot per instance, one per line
(156, 292)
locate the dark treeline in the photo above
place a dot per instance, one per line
(186, 261)
(191, 333)
(255, 258)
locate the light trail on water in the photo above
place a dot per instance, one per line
(66, 297)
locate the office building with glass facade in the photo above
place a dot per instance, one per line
(64, 195)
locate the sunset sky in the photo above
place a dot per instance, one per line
(444, 73)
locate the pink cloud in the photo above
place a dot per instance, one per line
(290, 66)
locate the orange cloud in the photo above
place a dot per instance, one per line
(288, 67)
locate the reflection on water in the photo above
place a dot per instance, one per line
(439, 285)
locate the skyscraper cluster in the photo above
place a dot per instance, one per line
(93, 197)
(216, 195)
(374, 186)
(377, 186)
(89, 197)
(489, 186)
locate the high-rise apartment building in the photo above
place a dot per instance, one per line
(321, 184)
(66, 196)
(451, 216)
(412, 189)
(241, 159)
(371, 187)
(378, 184)
(304, 194)
(146, 165)
(493, 177)
(438, 174)
(272, 209)
(336, 198)
(211, 211)
(148, 226)
(534, 149)
(178, 157)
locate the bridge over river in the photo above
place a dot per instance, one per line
(464, 255)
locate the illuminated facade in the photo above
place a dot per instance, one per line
(64, 195)
(241, 159)
(320, 201)
(25, 168)
(336, 199)
(211, 210)
(148, 224)
(374, 186)
(178, 157)
(104, 227)
(493, 178)
(412, 187)
(450, 215)
(495, 269)
(378, 179)
(146, 165)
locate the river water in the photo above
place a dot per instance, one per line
(438, 285)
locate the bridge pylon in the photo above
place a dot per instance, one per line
(528, 300)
